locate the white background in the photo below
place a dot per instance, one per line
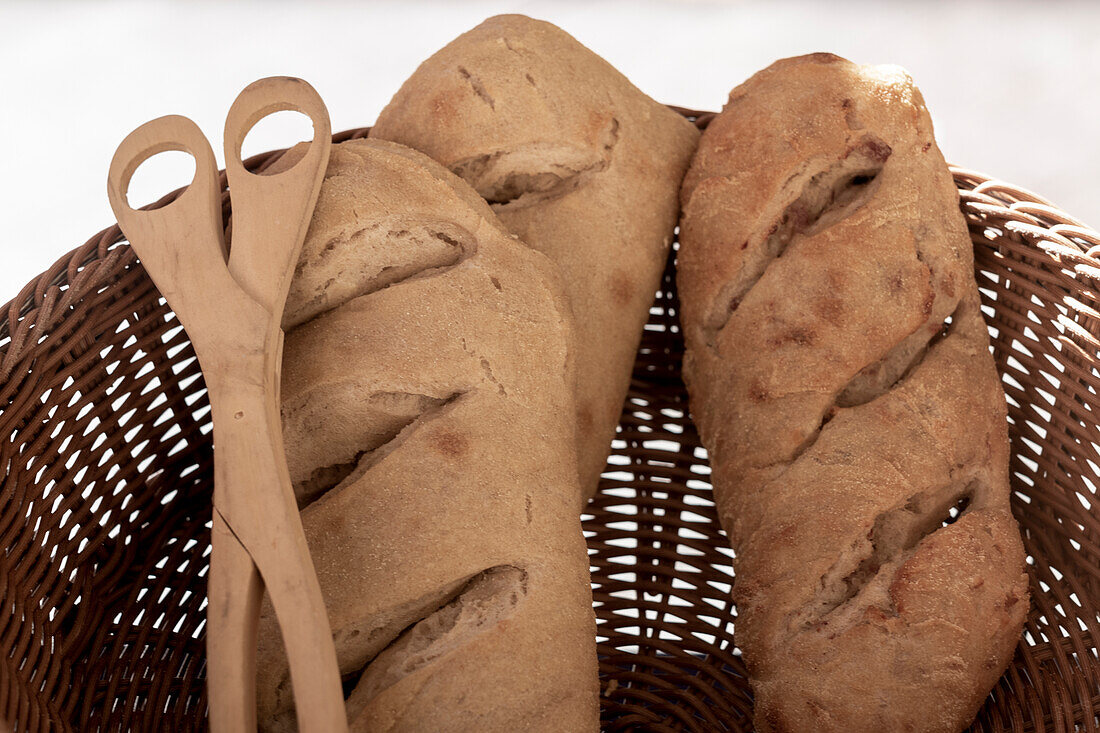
(1013, 86)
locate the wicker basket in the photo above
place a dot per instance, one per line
(105, 504)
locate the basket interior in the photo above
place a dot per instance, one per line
(105, 503)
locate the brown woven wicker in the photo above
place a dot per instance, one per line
(105, 502)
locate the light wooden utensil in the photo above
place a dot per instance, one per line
(231, 306)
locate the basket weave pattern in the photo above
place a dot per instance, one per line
(105, 501)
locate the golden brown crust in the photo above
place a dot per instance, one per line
(822, 255)
(576, 161)
(433, 460)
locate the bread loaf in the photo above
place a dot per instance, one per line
(841, 379)
(576, 161)
(426, 402)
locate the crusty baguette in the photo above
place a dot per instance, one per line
(425, 372)
(840, 376)
(575, 160)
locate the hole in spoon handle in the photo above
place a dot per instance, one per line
(183, 237)
(266, 97)
(271, 213)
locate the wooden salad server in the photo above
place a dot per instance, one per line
(231, 306)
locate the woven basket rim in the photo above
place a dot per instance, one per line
(1019, 207)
